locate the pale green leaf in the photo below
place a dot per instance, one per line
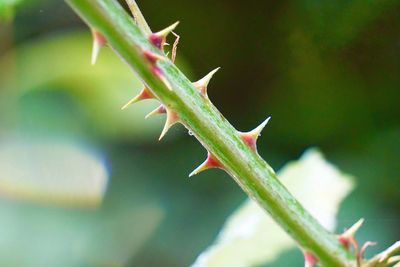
(250, 237)
(7, 8)
(63, 62)
(50, 171)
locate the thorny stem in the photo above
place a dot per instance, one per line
(214, 132)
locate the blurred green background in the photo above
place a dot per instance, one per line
(327, 72)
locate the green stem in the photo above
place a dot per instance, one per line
(215, 133)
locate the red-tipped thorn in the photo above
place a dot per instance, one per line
(158, 39)
(160, 74)
(209, 163)
(172, 118)
(144, 94)
(159, 110)
(98, 42)
(250, 138)
(153, 57)
(347, 238)
(202, 84)
(309, 259)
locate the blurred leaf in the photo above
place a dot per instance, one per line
(250, 236)
(64, 62)
(7, 8)
(36, 236)
(66, 119)
(51, 172)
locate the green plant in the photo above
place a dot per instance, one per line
(187, 103)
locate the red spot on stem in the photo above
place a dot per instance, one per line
(156, 40)
(309, 259)
(249, 140)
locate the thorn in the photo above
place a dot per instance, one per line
(167, 30)
(153, 57)
(158, 39)
(159, 110)
(309, 259)
(355, 227)
(172, 118)
(209, 163)
(250, 138)
(347, 237)
(202, 84)
(144, 94)
(98, 42)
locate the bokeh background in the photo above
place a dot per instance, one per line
(83, 183)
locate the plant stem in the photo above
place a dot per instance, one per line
(140, 20)
(214, 132)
